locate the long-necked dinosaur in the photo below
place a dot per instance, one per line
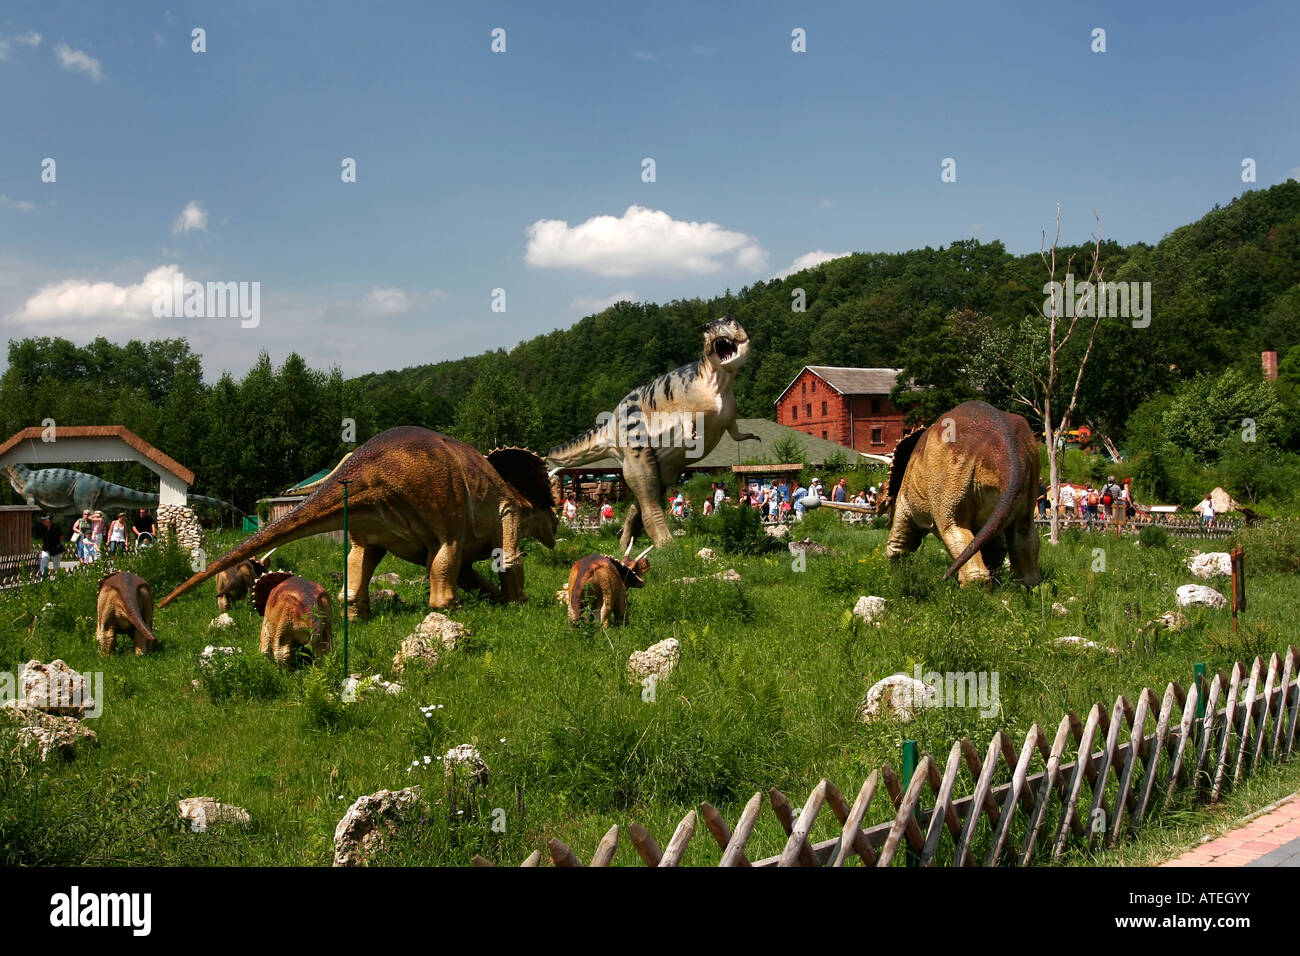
(656, 427)
(63, 492)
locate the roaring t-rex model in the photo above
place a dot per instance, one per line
(971, 478)
(63, 492)
(237, 582)
(428, 499)
(599, 580)
(295, 613)
(654, 427)
(124, 605)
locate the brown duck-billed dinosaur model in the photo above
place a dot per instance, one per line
(656, 428)
(428, 499)
(124, 606)
(600, 579)
(295, 613)
(971, 478)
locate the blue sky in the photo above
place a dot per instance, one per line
(517, 170)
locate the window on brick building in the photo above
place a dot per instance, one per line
(808, 410)
(804, 386)
(875, 406)
(823, 408)
(877, 436)
(823, 433)
(814, 384)
(794, 413)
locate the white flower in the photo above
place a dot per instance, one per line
(503, 740)
(428, 760)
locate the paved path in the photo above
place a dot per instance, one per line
(1270, 839)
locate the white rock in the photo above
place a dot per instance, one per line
(679, 533)
(1173, 621)
(436, 633)
(222, 620)
(706, 554)
(1076, 641)
(870, 608)
(776, 530)
(55, 688)
(1212, 564)
(562, 596)
(50, 733)
(1190, 594)
(897, 696)
(204, 812)
(657, 660)
(355, 685)
(370, 821)
(1059, 609)
(391, 579)
(464, 762)
(379, 597)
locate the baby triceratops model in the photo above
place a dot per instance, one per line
(63, 492)
(428, 499)
(654, 427)
(237, 582)
(598, 577)
(971, 478)
(124, 605)
(295, 613)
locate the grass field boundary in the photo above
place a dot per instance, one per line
(1197, 749)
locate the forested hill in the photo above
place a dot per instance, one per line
(1223, 289)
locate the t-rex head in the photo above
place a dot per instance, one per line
(16, 473)
(726, 345)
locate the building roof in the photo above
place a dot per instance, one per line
(308, 480)
(850, 381)
(106, 431)
(729, 452)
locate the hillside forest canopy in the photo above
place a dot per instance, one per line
(1172, 396)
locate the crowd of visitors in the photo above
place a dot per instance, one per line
(86, 538)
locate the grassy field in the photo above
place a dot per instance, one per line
(772, 672)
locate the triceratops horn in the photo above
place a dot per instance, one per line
(629, 549)
(642, 554)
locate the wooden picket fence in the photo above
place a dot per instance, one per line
(1093, 799)
(1178, 525)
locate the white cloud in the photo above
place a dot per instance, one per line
(808, 260)
(22, 205)
(1293, 173)
(31, 39)
(591, 304)
(192, 217)
(642, 55)
(79, 61)
(72, 302)
(825, 204)
(642, 241)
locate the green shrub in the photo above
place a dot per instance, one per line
(1273, 547)
(246, 676)
(740, 531)
(1153, 537)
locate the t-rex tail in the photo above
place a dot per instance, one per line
(323, 511)
(586, 448)
(217, 502)
(1011, 491)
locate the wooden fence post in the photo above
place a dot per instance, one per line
(910, 751)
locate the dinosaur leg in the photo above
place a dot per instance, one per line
(362, 561)
(994, 553)
(1023, 539)
(645, 484)
(444, 569)
(631, 527)
(266, 643)
(323, 632)
(956, 538)
(905, 536)
(620, 606)
(106, 638)
(471, 580)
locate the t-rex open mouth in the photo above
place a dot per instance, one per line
(725, 349)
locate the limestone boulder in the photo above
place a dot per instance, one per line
(436, 633)
(896, 697)
(1212, 564)
(222, 620)
(1075, 640)
(871, 609)
(49, 734)
(1192, 594)
(201, 813)
(356, 686)
(706, 554)
(372, 820)
(463, 763)
(808, 546)
(55, 688)
(657, 660)
(389, 579)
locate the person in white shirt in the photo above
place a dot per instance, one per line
(1066, 496)
(1206, 508)
(719, 497)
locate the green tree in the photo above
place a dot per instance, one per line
(497, 411)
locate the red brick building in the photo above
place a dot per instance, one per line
(849, 406)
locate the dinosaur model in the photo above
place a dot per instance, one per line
(428, 499)
(295, 613)
(63, 492)
(971, 478)
(237, 582)
(600, 579)
(655, 426)
(124, 606)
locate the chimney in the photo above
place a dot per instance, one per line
(1269, 361)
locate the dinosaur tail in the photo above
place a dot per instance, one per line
(323, 511)
(588, 447)
(215, 502)
(1011, 491)
(132, 608)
